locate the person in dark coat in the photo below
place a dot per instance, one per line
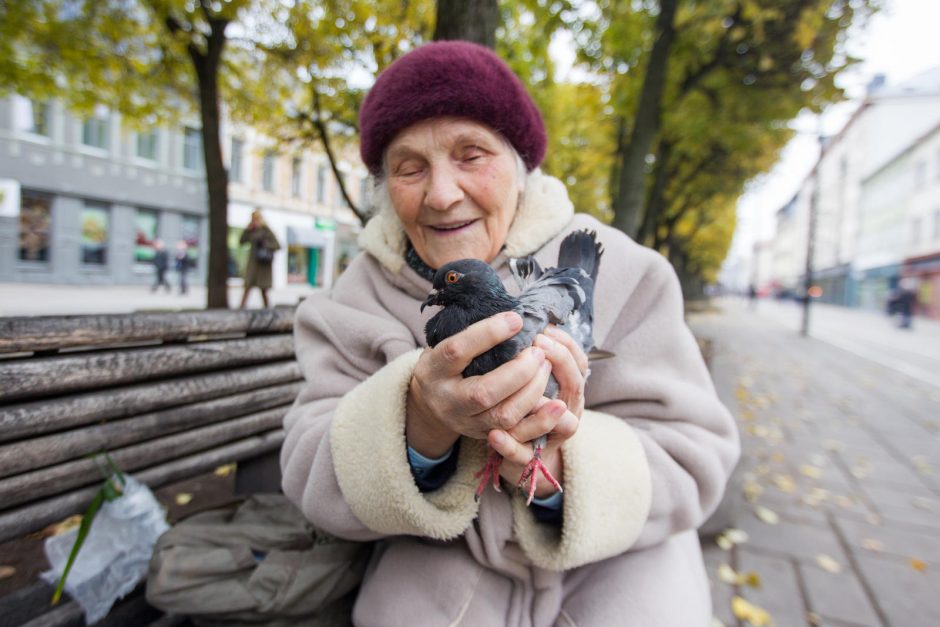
(260, 257)
(182, 263)
(160, 264)
(904, 301)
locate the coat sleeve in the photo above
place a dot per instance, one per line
(655, 447)
(344, 460)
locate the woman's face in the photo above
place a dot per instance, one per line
(453, 183)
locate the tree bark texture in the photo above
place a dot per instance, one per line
(206, 63)
(628, 203)
(467, 20)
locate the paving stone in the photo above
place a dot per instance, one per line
(908, 597)
(903, 543)
(803, 541)
(779, 592)
(911, 504)
(838, 596)
(722, 593)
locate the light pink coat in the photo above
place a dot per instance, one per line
(648, 464)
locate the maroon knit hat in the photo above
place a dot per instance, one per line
(447, 78)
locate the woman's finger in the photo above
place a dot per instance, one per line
(506, 414)
(483, 393)
(452, 355)
(543, 420)
(577, 352)
(565, 368)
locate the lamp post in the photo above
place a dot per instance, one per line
(811, 234)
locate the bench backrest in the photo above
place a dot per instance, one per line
(169, 395)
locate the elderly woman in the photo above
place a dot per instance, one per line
(383, 441)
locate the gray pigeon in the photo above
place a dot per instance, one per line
(469, 291)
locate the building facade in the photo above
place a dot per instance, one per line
(83, 200)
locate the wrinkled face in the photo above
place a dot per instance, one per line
(454, 185)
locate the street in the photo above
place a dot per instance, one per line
(837, 489)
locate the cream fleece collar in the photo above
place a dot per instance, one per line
(545, 211)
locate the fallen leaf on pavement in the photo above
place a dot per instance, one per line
(738, 536)
(923, 503)
(873, 545)
(729, 576)
(813, 618)
(750, 613)
(767, 515)
(716, 622)
(918, 565)
(811, 471)
(6, 571)
(183, 498)
(72, 522)
(224, 471)
(784, 483)
(828, 564)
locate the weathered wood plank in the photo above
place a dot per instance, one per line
(53, 480)
(41, 416)
(34, 333)
(29, 518)
(82, 371)
(37, 453)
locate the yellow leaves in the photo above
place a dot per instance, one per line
(183, 498)
(225, 471)
(810, 471)
(766, 515)
(730, 537)
(72, 522)
(784, 483)
(828, 564)
(918, 565)
(6, 572)
(873, 545)
(748, 612)
(729, 576)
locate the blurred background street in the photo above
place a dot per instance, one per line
(833, 517)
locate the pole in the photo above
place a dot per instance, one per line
(811, 235)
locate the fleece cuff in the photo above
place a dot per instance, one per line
(607, 498)
(367, 441)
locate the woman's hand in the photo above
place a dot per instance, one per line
(558, 418)
(443, 405)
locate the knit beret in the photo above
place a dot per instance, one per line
(449, 78)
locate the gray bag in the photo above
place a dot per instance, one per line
(258, 562)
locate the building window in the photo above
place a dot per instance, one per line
(235, 163)
(267, 171)
(39, 118)
(145, 234)
(192, 148)
(190, 232)
(35, 223)
(321, 184)
(96, 226)
(936, 224)
(295, 177)
(920, 174)
(147, 145)
(95, 129)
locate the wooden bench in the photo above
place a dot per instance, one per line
(170, 396)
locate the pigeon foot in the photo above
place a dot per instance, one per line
(489, 473)
(531, 474)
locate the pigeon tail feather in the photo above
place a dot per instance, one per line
(580, 249)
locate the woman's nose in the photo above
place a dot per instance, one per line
(444, 190)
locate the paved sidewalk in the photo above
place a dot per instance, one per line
(838, 485)
(28, 299)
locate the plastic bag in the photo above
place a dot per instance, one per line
(115, 554)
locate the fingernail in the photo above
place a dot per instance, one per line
(557, 410)
(546, 366)
(513, 321)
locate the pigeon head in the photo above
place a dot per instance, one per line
(464, 282)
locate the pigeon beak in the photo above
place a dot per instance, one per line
(431, 300)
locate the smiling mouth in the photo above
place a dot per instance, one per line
(453, 226)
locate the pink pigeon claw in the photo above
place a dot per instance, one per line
(531, 474)
(489, 472)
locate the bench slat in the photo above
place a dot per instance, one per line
(38, 453)
(56, 375)
(43, 333)
(37, 484)
(41, 416)
(28, 518)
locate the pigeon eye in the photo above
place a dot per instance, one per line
(452, 277)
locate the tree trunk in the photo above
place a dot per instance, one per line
(468, 20)
(655, 201)
(207, 73)
(628, 203)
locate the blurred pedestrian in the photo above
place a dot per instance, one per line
(182, 263)
(752, 295)
(904, 301)
(260, 257)
(160, 264)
